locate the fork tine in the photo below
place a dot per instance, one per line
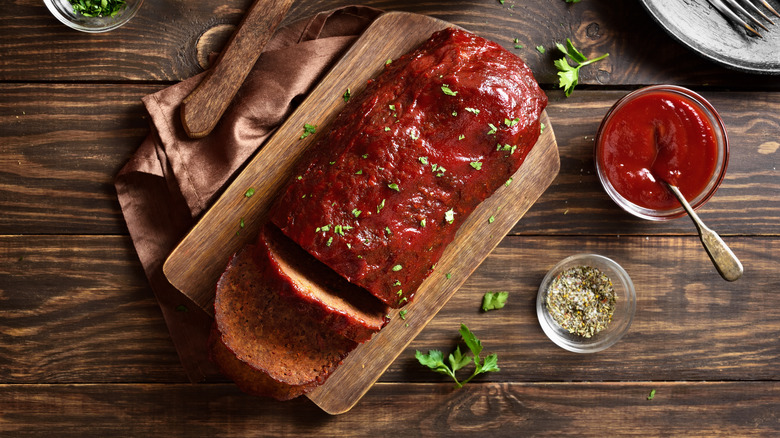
(719, 5)
(758, 11)
(739, 7)
(768, 6)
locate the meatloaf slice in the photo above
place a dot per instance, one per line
(268, 335)
(316, 291)
(383, 192)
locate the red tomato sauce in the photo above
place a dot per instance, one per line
(654, 137)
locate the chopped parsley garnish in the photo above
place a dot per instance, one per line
(308, 130)
(394, 186)
(249, 192)
(364, 155)
(300, 177)
(568, 75)
(509, 181)
(359, 172)
(388, 61)
(380, 206)
(347, 95)
(541, 129)
(423, 160)
(387, 128)
(493, 129)
(97, 8)
(330, 241)
(494, 300)
(414, 135)
(422, 222)
(472, 110)
(449, 216)
(448, 275)
(476, 164)
(446, 90)
(540, 49)
(392, 107)
(454, 113)
(356, 212)
(397, 268)
(241, 223)
(512, 122)
(651, 395)
(461, 137)
(402, 313)
(387, 230)
(457, 360)
(491, 219)
(517, 44)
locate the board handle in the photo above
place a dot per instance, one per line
(202, 109)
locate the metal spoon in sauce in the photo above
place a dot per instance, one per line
(727, 264)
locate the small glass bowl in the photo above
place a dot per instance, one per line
(63, 11)
(718, 174)
(625, 306)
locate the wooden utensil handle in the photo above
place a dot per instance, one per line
(201, 110)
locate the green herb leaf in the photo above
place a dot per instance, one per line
(540, 49)
(423, 160)
(356, 212)
(397, 268)
(449, 216)
(388, 61)
(249, 192)
(308, 130)
(394, 186)
(651, 395)
(458, 360)
(509, 181)
(493, 129)
(402, 313)
(347, 95)
(494, 300)
(491, 219)
(446, 90)
(568, 76)
(472, 110)
(476, 164)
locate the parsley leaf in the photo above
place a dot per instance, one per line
(457, 360)
(446, 90)
(249, 192)
(568, 76)
(449, 216)
(347, 95)
(494, 300)
(308, 130)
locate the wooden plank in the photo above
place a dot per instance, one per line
(159, 44)
(63, 145)
(504, 410)
(78, 309)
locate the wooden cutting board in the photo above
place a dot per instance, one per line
(235, 219)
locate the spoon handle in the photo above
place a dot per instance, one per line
(728, 265)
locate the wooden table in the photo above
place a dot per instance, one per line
(84, 349)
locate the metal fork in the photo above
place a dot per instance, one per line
(729, 8)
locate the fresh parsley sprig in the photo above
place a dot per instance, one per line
(457, 360)
(568, 75)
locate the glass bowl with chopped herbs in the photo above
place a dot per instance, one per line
(93, 15)
(586, 303)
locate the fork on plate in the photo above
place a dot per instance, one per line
(732, 9)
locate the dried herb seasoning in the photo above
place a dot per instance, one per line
(581, 300)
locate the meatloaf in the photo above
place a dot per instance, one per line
(315, 290)
(383, 191)
(281, 353)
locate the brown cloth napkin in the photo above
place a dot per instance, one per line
(171, 179)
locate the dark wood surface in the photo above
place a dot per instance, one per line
(84, 349)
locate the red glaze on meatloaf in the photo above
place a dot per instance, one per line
(269, 336)
(316, 291)
(383, 192)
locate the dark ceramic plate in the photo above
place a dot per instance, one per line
(704, 29)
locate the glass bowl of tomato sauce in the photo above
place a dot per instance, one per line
(655, 134)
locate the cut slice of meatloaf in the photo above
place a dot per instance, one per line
(268, 335)
(316, 291)
(383, 192)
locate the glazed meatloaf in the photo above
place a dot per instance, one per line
(315, 290)
(278, 353)
(383, 192)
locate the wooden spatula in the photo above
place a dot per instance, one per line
(202, 109)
